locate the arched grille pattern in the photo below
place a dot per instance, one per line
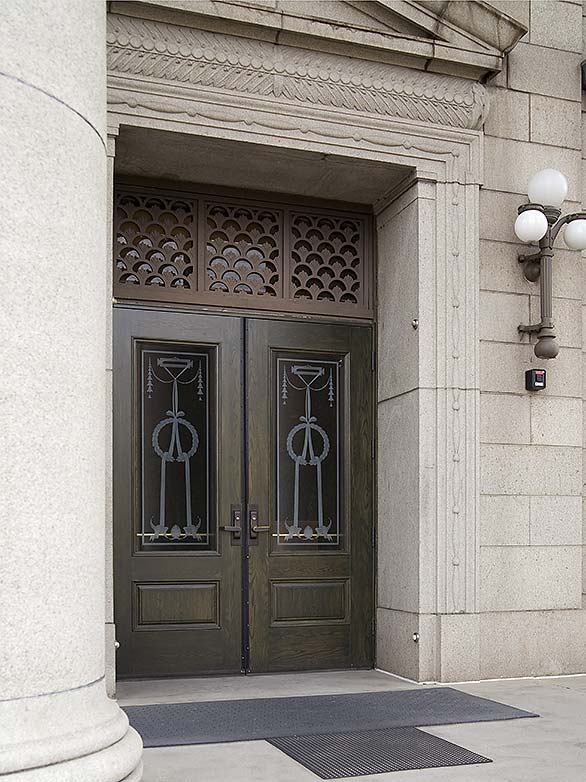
(241, 252)
(154, 241)
(243, 249)
(326, 255)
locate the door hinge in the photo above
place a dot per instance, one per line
(373, 448)
(372, 361)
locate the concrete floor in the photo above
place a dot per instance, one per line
(549, 749)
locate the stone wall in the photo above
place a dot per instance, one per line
(455, 601)
(530, 603)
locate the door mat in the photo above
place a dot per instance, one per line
(211, 722)
(339, 755)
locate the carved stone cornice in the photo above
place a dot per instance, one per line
(144, 50)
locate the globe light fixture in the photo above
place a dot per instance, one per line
(540, 220)
(575, 234)
(548, 187)
(531, 225)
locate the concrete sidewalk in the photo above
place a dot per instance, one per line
(549, 749)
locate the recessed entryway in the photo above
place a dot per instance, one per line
(243, 433)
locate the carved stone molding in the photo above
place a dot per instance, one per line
(143, 50)
(444, 154)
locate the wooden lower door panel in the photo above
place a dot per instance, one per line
(309, 649)
(309, 601)
(176, 604)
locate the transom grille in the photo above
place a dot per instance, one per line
(155, 241)
(327, 255)
(241, 252)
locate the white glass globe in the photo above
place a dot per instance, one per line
(575, 235)
(548, 187)
(531, 225)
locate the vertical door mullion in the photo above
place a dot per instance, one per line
(245, 502)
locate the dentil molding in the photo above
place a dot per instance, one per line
(141, 49)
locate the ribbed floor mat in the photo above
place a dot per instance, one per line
(339, 755)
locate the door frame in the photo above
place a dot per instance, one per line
(288, 317)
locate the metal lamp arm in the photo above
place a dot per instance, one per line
(555, 229)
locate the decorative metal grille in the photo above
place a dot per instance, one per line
(191, 248)
(154, 241)
(327, 255)
(175, 447)
(309, 433)
(243, 249)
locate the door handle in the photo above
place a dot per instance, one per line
(253, 524)
(235, 527)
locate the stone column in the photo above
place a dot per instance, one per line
(56, 721)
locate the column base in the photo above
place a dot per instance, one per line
(80, 736)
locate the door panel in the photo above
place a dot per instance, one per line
(291, 443)
(309, 462)
(177, 471)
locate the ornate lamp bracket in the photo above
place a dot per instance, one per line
(538, 266)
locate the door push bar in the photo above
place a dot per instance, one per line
(253, 524)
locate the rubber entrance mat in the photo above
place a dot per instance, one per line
(339, 755)
(211, 722)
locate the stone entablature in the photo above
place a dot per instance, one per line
(141, 50)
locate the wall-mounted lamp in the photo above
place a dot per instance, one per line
(540, 221)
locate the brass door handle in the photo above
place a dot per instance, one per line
(253, 524)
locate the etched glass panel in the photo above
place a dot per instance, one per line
(175, 441)
(310, 435)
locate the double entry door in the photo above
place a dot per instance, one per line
(243, 507)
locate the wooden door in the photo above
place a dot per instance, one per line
(309, 435)
(177, 472)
